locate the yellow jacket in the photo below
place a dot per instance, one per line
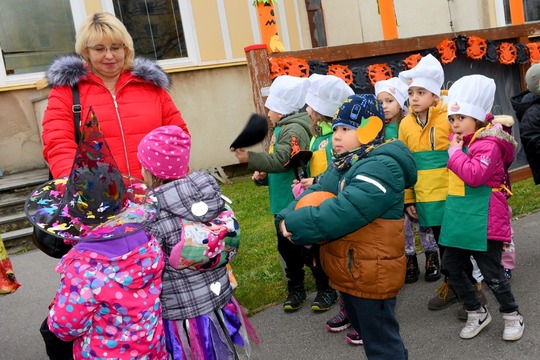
(429, 145)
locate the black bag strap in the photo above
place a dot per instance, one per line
(76, 108)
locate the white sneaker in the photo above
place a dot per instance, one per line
(476, 321)
(513, 326)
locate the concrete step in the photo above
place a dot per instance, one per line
(26, 179)
(18, 240)
(12, 202)
(13, 221)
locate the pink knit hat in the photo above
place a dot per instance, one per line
(164, 152)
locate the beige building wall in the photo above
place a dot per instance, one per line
(216, 100)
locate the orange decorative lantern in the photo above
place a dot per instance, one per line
(341, 71)
(507, 53)
(377, 72)
(447, 51)
(476, 47)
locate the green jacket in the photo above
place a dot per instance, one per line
(280, 179)
(367, 258)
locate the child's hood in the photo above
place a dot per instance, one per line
(506, 142)
(197, 197)
(301, 118)
(523, 101)
(398, 151)
(70, 69)
(136, 269)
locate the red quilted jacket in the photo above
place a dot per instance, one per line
(140, 105)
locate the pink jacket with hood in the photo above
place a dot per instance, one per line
(487, 163)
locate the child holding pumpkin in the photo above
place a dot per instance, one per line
(365, 170)
(291, 129)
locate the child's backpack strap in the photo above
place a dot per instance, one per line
(207, 245)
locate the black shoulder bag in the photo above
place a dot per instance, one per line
(46, 242)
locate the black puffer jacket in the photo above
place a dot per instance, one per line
(527, 108)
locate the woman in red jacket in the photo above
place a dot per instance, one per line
(129, 96)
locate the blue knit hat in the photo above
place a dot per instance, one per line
(363, 113)
(355, 108)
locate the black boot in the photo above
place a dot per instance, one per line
(295, 298)
(433, 268)
(413, 271)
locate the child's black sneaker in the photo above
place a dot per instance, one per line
(354, 338)
(338, 323)
(324, 300)
(295, 299)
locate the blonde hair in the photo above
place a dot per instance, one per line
(104, 27)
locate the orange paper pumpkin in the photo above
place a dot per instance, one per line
(341, 71)
(476, 47)
(295, 67)
(507, 53)
(369, 128)
(377, 72)
(276, 68)
(447, 51)
(534, 52)
(411, 60)
(315, 198)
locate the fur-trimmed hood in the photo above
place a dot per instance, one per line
(70, 69)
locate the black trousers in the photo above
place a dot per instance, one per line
(294, 257)
(56, 348)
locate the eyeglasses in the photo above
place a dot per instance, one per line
(102, 49)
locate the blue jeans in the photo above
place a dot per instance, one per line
(376, 322)
(489, 263)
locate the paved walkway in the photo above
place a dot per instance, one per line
(301, 335)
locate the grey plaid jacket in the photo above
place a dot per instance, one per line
(186, 293)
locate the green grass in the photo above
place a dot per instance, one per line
(257, 267)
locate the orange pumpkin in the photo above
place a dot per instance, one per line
(369, 129)
(315, 198)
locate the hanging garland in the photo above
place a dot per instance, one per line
(363, 78)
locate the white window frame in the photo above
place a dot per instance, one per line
(190, 35)
(78, 11)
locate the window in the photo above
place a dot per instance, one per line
(29, 40)
(156, 27)
(530, 7)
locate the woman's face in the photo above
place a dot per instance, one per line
(344, 139)
(106, 60)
